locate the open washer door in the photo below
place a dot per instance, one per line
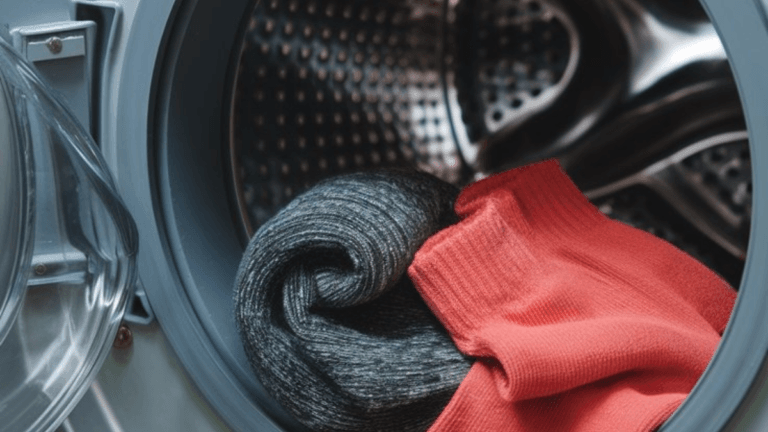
(67, 255)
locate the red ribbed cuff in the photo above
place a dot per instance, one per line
(514, 217)
(544, 195)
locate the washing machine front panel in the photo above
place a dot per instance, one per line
(161, 171)
(159, 115)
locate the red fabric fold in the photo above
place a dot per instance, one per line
(578, 322)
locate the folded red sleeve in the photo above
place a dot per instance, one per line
(577, 322)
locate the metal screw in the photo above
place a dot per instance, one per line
(54, 45)
(40, 269)
(124, 337)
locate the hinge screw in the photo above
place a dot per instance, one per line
(54, 45)
(124, 337)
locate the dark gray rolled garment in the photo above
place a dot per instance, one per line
(330, 322)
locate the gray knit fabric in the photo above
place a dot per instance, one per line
(331, 324)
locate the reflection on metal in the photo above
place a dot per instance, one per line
(330, 87)
(584, 65)
(651, 83)
(661, 47)
(506, 61)
(124, 338)
(633, 57)
(466, 88)
(708, 183)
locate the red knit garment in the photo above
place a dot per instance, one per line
(577, 322)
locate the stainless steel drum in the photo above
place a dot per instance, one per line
(634, 97)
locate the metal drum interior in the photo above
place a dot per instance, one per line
(635, 98)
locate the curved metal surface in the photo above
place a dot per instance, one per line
(506, 61)
(330, 87)
(649, 81)
(327, 87)
(721, 211)
(635, 54)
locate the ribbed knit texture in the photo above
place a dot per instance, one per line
(331, 324)
(577, 322)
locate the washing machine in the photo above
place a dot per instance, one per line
(143, 142)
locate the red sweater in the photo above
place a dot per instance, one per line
(577, 322)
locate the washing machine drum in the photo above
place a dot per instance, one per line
(67, 254)
(635, 98)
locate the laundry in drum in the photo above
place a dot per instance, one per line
(383, 301)
(373, 295)
(331, 324)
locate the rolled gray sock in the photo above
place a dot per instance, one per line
(330, 321)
